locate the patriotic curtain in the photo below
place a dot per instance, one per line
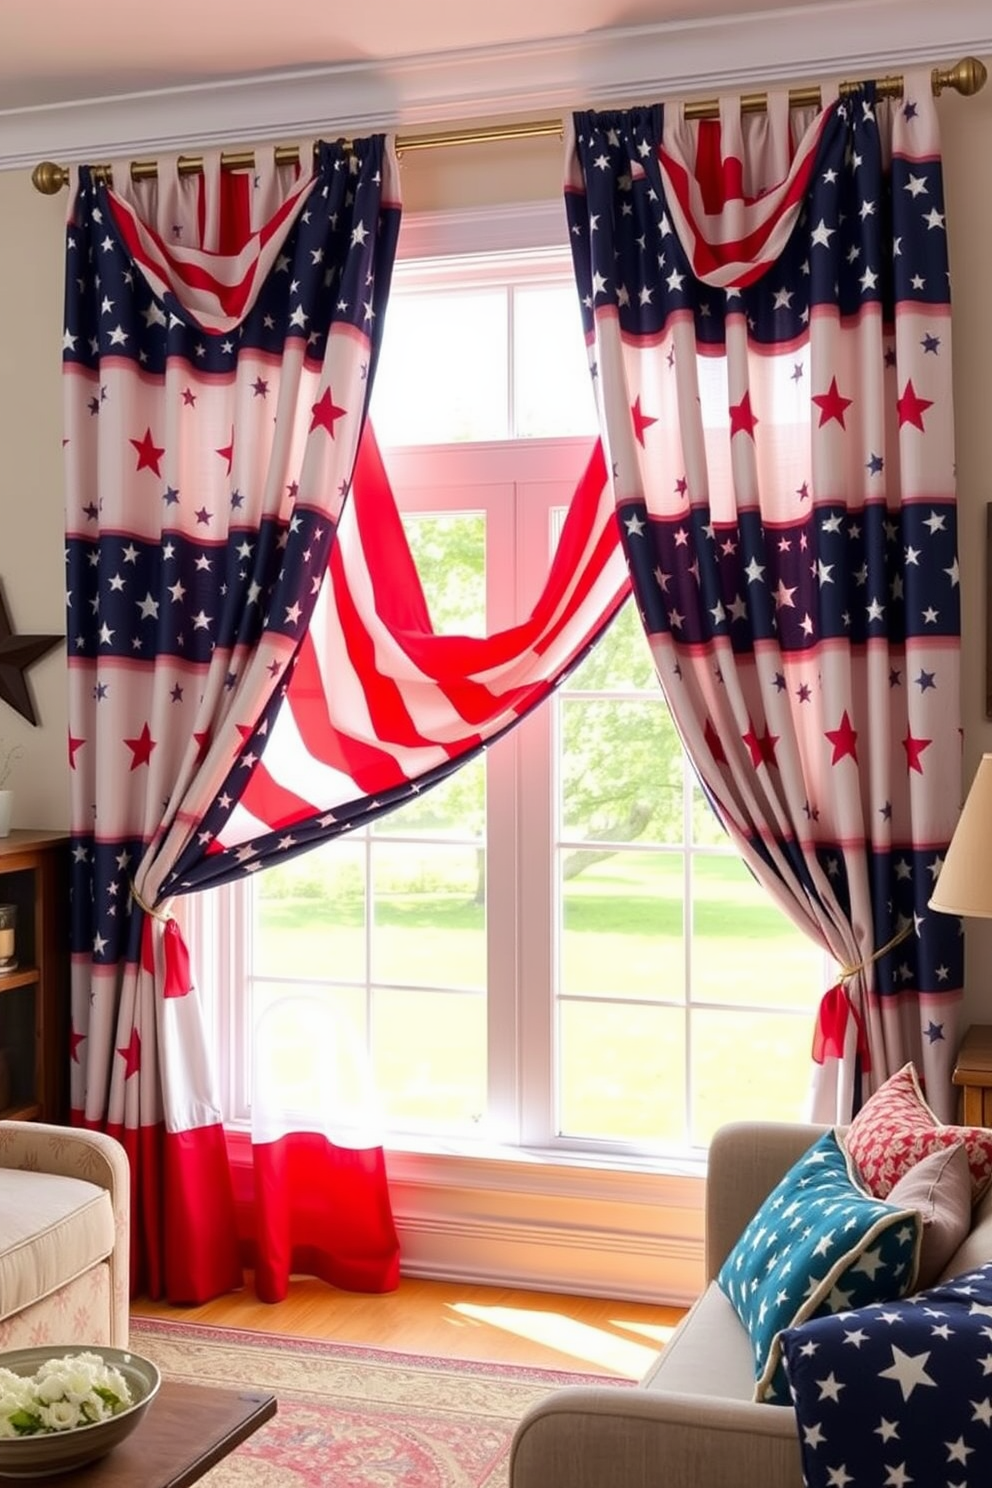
(766, 304)
(220, 343)
(380, 706)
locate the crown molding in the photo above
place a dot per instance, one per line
(847, 38)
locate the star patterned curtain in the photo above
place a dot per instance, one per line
(219, 348)
(767, 311)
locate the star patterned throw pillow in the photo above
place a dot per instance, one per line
(897, 1392)
(817, 1245)
(895, 1128)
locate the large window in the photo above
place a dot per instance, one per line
(556, 948)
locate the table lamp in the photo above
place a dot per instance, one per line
(964, 886)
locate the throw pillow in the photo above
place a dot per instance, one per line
(939, 1189)
(897, 1392)
(895, 1128)
(818, 1243)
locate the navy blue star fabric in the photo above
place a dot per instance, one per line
(897, 1393)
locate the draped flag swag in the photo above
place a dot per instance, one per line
(766, 304)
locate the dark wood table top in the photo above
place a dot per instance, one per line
(185, 1432)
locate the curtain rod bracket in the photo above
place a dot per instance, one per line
(966, 77)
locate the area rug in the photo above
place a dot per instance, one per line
(356, 1417)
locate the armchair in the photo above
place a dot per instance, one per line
(64, 1236)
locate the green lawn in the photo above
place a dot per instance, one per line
(622, 1064)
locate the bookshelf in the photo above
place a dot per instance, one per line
(34, 998)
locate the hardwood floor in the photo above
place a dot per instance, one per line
(452, 1320)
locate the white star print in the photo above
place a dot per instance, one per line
(908, 1370)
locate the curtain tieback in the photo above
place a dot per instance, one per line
(837, 1005)
(847, 972)
(178, 978)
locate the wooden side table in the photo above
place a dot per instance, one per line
(973, 1072)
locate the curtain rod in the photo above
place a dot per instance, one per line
(966, 77)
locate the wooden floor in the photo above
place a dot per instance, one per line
(451, 1320)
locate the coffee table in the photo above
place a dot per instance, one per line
(185, 1432)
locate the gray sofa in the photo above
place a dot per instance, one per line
(692, 1422)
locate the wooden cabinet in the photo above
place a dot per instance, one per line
(973, 1072)
(34, 998)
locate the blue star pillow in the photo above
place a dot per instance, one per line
(818, 1244)
(898, 1392)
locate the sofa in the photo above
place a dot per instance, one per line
(692, 1421)
(64, 1236)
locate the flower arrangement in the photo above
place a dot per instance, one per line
(9, 755)
(62, 1394)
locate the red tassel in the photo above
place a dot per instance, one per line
(178, 980)
(831, 1026)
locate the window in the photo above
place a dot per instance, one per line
(557, 948)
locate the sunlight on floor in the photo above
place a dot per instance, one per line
(595, 1348)
(659, 1333)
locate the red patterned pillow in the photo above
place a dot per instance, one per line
(895, 1128)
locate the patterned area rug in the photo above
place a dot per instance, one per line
(356, 1417)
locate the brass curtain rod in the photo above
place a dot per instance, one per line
(966, 77)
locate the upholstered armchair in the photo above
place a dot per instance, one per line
(64, 1236)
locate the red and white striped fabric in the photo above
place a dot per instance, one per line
(377, 699)
(735, 203)
(215, 286)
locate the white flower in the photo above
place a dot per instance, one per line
(64, 1393)
(61, 1415)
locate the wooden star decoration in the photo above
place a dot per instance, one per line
(17, 653)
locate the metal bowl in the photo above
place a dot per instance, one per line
(64, 1451)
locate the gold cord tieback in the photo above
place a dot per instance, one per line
(847, 972)
(156, 914)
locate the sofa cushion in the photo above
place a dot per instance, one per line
(895, 1128)
(818, 1243)
(897, 1392)
(52, 1229)
(939, 1189)
(708, 1354)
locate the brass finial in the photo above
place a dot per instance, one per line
(966, 77)
(49, 178)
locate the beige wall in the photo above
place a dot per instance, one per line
(32, 564)
(31, 551)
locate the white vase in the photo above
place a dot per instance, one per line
(6, 811)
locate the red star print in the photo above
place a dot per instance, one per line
(742, 420)
(141, 747)
(149, 454)
(844, 740)
(641, 421)
(713, 742)
(914, 748)
(326, 413)
(227, 453)
(832, 405)
(911, 408)
(75, 1039)
(131, 1054)
(202, 741)
(762, 749)
(74, 747)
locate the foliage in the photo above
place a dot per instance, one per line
(9, 755)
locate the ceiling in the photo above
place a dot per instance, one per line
(112, 74)
(55, 51)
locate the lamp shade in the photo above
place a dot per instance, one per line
(965, 883)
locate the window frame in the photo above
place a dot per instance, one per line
(521, 1030)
